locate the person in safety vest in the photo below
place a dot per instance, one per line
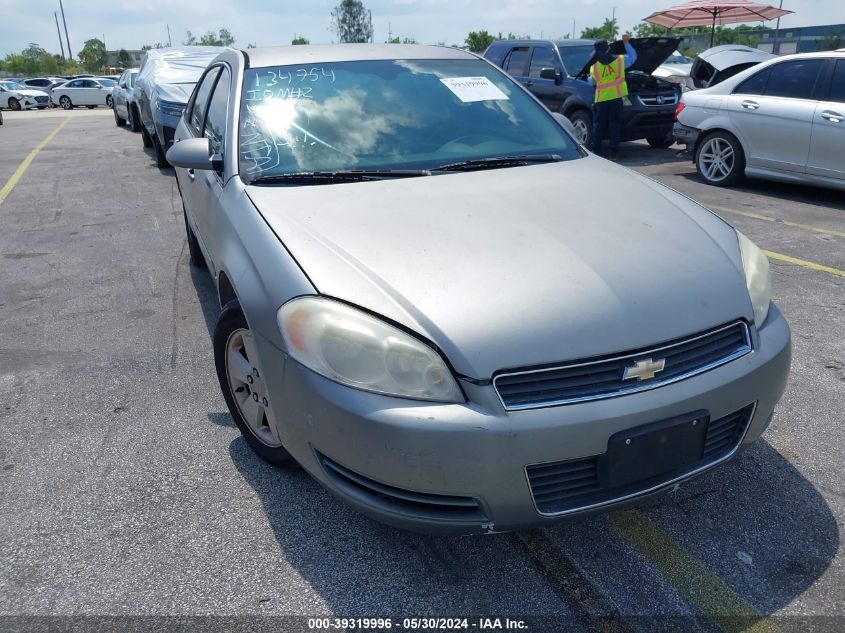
(608, 76)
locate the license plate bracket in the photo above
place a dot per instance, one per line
(645, 452)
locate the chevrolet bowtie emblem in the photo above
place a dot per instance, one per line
(644, 369)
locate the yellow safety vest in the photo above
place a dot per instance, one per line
(610, 80)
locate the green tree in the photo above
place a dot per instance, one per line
(222, 38)
(351, 21)
(401, 40)
(299, 40)
(124, 59)
(93, 55)
(147, 47)
(607, 31)
(833, 40)
(478, 41)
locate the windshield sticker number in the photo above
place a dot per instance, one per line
(470, 89)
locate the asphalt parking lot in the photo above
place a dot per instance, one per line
(125, 488)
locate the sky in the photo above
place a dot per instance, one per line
(128, 24)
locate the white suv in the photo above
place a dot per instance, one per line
(783, 120)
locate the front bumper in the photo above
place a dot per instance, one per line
(640, 122)
(399, 461)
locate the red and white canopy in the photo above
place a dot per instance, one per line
(711, 12)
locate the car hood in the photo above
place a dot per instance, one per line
(517, 267)
(29, 92)
(729, 55)
(673, 70)
(651, 52)
(177, 93)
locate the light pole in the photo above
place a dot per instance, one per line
(776, 45)
(613, 24)
(59, 32)
(69, 54)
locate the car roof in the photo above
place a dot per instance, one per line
(558, 43)
(308, 54)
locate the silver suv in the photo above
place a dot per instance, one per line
(782, 120)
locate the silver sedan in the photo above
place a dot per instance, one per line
(781, 120)
(447, 311)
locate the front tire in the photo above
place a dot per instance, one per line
(119, 122)
(14, 104)
(134, 120)
(145, 137)
(161, 159)
(720, 159)
(65, 102)
(243, 386)
(109, 101)
(582, 121)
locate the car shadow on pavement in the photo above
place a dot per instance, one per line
(789, 192)
(641, 155)
(755, 523)
(206, 295)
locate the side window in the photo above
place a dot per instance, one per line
(516, 61)
(496, 54)
(795, 79)
(200, 102)
(89, 84)
(754, 85)
(542, 57)
(215, 120)
(73, 84)
(837, 82)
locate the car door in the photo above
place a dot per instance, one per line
(548, 91)
(118, 96)
(191, 185)
(516, 63)
(86, 93)
(214, 129)
(827, 145)
(773, 114)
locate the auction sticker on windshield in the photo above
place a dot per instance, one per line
(469, 89)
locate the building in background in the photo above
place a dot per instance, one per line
(788, 40)
(134, 56)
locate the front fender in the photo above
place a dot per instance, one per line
(262, 272)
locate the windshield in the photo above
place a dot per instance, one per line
(388, 115)
(575, 57)
(130, 79)
(12, 85)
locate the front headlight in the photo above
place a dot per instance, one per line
(757, 277)
(358, 350)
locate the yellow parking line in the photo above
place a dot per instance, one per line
(707, 592)
(10, 184)
(767, 218)
(805, 264)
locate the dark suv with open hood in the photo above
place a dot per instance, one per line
(556, 73)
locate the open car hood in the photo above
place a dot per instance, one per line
(651, 52)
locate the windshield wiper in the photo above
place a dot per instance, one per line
(499, 161)
(340, 175)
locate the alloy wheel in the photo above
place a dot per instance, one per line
(14, 104)
(65, 101)
(717, 159)
(248, 387)
(581, 129)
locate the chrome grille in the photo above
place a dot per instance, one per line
(659, 100)
(605, 378)
(575, 485)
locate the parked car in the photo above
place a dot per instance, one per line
(16, 97)
(676, 69)
(783, 120)
(719, 63)
(83, 92)
(123, 101)
(556, 73)
(45, 84)
(165, 81)
(426, 308)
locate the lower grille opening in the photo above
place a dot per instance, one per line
(562, 487)
(419, 504)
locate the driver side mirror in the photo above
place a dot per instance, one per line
(194, 153)
(551, 73)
